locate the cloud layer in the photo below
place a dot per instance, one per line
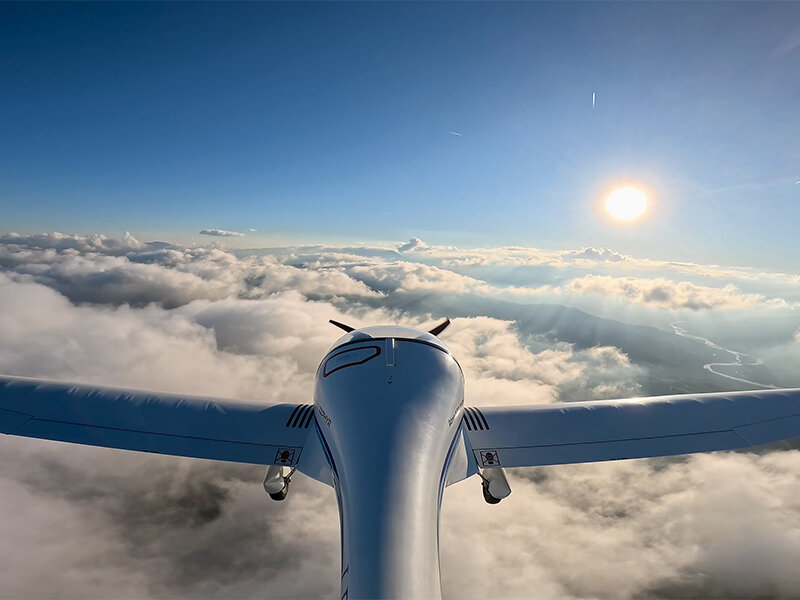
(663, 293)
(96, 523)
(221, 233)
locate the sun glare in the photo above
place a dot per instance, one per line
(626, 204)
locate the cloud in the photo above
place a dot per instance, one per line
(221, 233)
(515, 255)
(114, 524)
(524, 271)
(97, 523)
(318, 283)
(125, 525)
(116, 280)
(412, 245)
(81, 243)
(663, 293)
(710, 526)
(491, 350)
(404, 278)
(520, 263)
(166, 275)
(588, 253)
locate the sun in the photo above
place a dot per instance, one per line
(626, 204)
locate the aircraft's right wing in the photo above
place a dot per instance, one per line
(575, 432)
(246, 432)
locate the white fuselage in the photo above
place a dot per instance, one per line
(388, 408)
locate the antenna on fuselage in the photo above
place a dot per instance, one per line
(435, 331)
(440, 327)
(347, 328)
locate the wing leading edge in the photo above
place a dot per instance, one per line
(526, 436)
(198, 427)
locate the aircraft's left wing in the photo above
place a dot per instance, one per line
(246, 432)
(524, 436)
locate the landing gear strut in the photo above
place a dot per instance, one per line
(276, 481)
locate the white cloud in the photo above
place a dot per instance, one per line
(406, 276)
(667, 294)
(168, 276)
(589, 253)
(221, 233)
(599, 261)
(275, 277)
(116, 280)
(415, 278)
(412, 245)
(501, 370)
(712, 526)
(516, 256)
(81, 243)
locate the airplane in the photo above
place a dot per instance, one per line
(388, 430)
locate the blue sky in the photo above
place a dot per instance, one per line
(331, 122)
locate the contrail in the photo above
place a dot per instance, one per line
(594, 97)
(456, 133)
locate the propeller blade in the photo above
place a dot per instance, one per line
(347, 328)
(440, 327)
